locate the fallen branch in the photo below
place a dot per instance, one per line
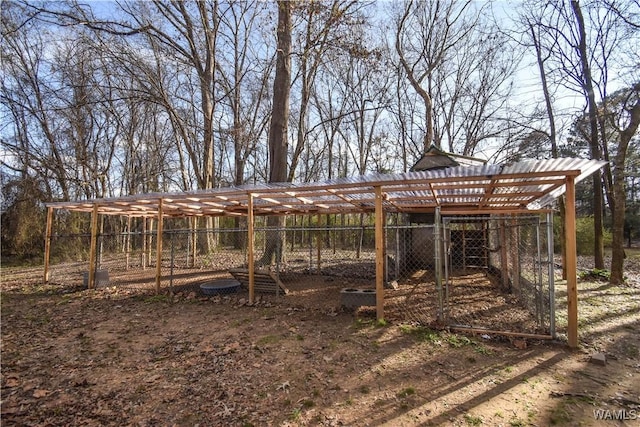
(571, 394)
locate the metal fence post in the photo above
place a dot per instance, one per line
(437, 231)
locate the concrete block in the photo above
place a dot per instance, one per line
(598, 359)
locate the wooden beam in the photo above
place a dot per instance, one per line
(438, 232)
(379, 223)
(47, 245)
(92, 248)
(514, 244)
(159, 246)
(571, 262)
(504, 259)
(319, 246)
(194, 241)
(250, 248)
(498, 182)
(128, 244)
(145, 243)
(502, 333)
(149, 253)
(494, 211)
(488, 192)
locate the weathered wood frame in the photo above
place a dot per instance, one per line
(571, 263)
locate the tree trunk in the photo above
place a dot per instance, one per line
(619, 193)
(552, 131)
(415, 83)
(278, 142)
(598, 202)
(278, 129)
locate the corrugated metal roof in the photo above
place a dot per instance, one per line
(521, 186)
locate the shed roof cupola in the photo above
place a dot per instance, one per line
(435, 158)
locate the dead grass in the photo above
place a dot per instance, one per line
(120, 357)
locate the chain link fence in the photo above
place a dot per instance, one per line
(490, 272)
(497, 273)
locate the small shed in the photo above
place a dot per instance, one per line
(420, 242)
(435, 158)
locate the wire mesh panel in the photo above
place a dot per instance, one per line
(497, 274)
(69, 259)
(481, 272)
(127, 257)
(320, 256)
(415, 292)
(308, 253)
(194, 259)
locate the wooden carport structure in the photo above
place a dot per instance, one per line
(524, 187)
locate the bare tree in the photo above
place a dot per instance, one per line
(455, 60)
(626, 121)
(366, 90)
(596, 151)
(331, 110)
(426, 32)
(627, 11)
(278, 141)
(327, 27)
(183, 32)
(472, 90)
(405, 111)
(533, 37)
(31, 99)
(578, 43)
(243, 77)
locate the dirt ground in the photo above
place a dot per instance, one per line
(113, 356)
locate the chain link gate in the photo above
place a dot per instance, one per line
(498, 273)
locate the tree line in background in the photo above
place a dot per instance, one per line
(106, 99)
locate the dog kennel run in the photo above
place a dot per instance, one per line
(477, 209)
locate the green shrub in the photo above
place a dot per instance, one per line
(585, 236)
(595, 275)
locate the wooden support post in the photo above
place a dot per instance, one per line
(127, 244)
(159, 247)
(319, 246)
(516, 272)
(504, 259)
(92, 249)
(194, 242)
(143, 258)
(571, 262)
(379, 222)
(552, 292)
(100, 249)
(149, 251)
(464, 245)
(47, 245)
(438, 260)
(250, 248)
